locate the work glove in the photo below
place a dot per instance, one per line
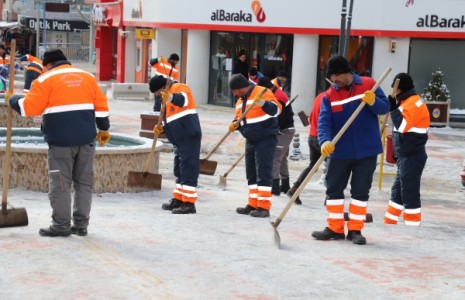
(233, 126)
(369, 97)
(103, 137)
(166, 96)
(393, 102)
(153, 61)
(327, 148)
(158, 129)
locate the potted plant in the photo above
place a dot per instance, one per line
(437, 99)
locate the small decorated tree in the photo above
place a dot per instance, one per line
(436, 89)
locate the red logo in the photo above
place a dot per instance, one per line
(409, 2)
(258, 11)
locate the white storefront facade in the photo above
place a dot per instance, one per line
(297, 36)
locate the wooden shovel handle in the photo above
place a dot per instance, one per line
(234, 165)
(9, 125)
(322, 157)
(241, 117)
(155, 135)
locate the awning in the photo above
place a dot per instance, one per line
(8, 25)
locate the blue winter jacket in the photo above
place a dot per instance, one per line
(362, 139)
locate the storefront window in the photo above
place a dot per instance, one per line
(233, 52)
(359, 55)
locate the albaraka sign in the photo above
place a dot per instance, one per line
(434, 21)
(55, 25)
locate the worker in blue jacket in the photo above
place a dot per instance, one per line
(356, 152)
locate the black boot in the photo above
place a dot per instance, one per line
(186, 208)
(356, 237)
(327, 234)
(260, 213)
(244, 210)
(174, 203)
(291, 193)
(276, 189)
(285, 185)
(53, 232)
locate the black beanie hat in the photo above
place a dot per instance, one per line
(238, 81)
(253, 71)
(405, 82)
(338, 65)
(52, 56)
(174, 56)
(157, 82)
(265, 82)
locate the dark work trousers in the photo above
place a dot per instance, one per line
(186, 161)
(29, 77)
(315, 155)
(339, 172)
(157, 103)
(280, 164)
(259, 161)
(406, 187)
(71, 167)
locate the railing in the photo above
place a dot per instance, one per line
(73, 52)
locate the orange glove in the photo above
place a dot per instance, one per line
(166, 96)
(327, 148)
(233, 126)
(158, 129)
(369, 98)
(103, 137)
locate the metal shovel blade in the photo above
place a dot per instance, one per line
(144, 180)
(222, 183)
(13, 217)
(277, 237)
(207, 167)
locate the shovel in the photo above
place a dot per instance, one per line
(14, 216)
(275, 224)
(222, 183)
(208, 167)
(145, 179)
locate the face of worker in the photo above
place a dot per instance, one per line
(173, 62)
(240, 92)
(242, 57)
(282, 79)
(341, 80)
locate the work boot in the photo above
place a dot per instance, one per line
(260, 213)
(328, 234)
(174, 203)
(291, 193)
(245, 210)
(78, 231)
(356, 237)
(276, 189)
(185, 209)
(53, 231)
(285, 185)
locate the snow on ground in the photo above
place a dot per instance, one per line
(135, 250)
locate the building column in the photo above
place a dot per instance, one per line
(197, 64)
(304, 70)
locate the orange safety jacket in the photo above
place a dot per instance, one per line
(163, 67)
(260, 121)
(5, 61)
(181, 119)
(35, 64)
(71, 104)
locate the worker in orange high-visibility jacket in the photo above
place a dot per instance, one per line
(72, 106)
(411, 121)
(33, 70)
(166, 68)
(260, 130)
(181, 126)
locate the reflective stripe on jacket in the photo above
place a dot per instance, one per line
(259, 121)
(181, 118)
(35, 64)
(411, 123)
(163, 67)
(70, 100)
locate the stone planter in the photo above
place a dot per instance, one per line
(439, 113)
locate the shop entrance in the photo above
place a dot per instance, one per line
(269, 53)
